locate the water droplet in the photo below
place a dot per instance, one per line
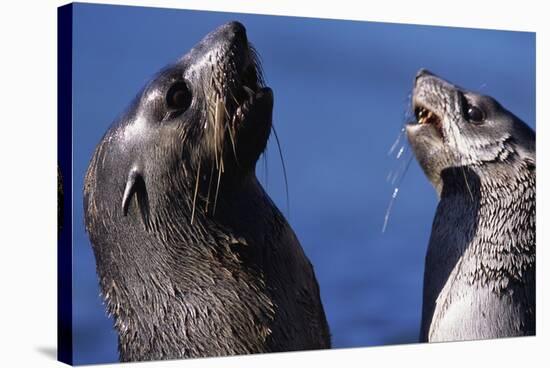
(400, 152)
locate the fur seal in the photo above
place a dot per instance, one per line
(193, 257)
(479, 278)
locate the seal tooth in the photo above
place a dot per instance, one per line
(239, 113)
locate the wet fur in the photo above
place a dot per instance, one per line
(479, 279)
(197, 261)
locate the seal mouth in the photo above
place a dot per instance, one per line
(251, 88)
(238, 110)
(237, 81)
(425, 116)
(239, 104)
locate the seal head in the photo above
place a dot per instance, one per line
(459, 128)
(193, 257)
(480, 265)
(210, 109)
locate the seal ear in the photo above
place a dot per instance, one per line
(135, 185)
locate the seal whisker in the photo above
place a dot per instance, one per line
(257, 61)
(266, 169)
(397, 140)
(389, 176)
(217, 189)
(388, 210)
(459, 157)
(283, 166)
(196, 192)
(235, 100)
(229, 129)
(218, 123)
(402, 169)
(397, 174)
(228, 126)
(466, 182)
(395, 192)
(209, 187)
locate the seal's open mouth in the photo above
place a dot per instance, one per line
(425, 116)
(251, 89)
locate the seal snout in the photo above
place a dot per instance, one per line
(232, 45)
(234, 30)
(238, 73)
(234, 62)
(423, 73)
(231, 32)
(427, 87)
(239, 105)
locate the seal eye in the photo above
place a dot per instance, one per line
(178, 96)
(475, 115)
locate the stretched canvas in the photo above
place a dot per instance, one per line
(242, 183)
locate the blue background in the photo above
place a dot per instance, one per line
(341, 98)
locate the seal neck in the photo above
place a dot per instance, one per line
(494, 218)
(496, 185)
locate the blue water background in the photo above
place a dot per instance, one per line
(341, 95)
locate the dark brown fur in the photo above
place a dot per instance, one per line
(193, 257)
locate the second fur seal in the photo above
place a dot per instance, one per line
(193, 257)
(479, 278)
